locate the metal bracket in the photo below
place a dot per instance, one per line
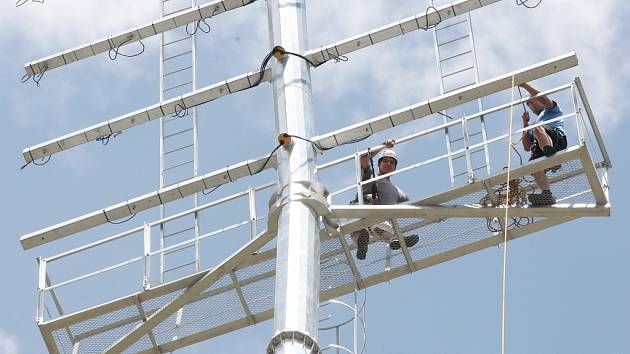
(293, 336)
(314, 196)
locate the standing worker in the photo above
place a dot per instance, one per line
(381, 192)
(544, 140)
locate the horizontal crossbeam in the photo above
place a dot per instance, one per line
(244, 81)
(250, 167)
(162, 25)
(468, 211)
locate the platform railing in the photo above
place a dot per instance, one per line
(581, 115)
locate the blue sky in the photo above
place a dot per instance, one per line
(567, 286)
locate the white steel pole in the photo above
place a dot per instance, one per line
(297, 266)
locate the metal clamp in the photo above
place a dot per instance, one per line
(293, 336)
(314, 196)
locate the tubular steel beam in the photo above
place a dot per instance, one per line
(113, 42)
(297, 260)
(245, 81)
(472, 211)
(250, 167)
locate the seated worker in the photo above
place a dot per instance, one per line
(544, 140)
(381, 192)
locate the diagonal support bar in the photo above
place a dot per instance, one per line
(193, 291)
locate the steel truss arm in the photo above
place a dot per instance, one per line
(162, 25)
(244, 81)
(235, 172)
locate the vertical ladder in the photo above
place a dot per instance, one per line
(457, 67)
(178, 144)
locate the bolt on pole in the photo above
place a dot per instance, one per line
(297, 267)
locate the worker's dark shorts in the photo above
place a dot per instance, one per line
(558, 139)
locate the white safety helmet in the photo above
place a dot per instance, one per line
(388, 153)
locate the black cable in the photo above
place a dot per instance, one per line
(321, 148)
(118, 222)
(19, 3)
(522, 103)
(180, 110)
(211, 190)
(36, 78)
(374, 189)
(198, 23)
(44, 160)
(426, 18)
(117, 52)
(198, 27)
(336, 58)
(445, 115)
(105, 138)
(520, 157)
(263, 66)
(267, 160)
(305, 59)
(279, 50)
(524, 4)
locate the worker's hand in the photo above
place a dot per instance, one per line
(389, 143)
(364, 161)
(525, 118)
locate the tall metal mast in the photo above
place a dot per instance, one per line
(297, 267)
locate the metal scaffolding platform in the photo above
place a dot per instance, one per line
(239, 291)
(229, 281)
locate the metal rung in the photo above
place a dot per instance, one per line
(474, 169)
(177, 232)
(176, 41)
(175, 250)
(455, 56)
(178, 165)
(456, 140)
(177, 55)
(176, 71)
(459, 87)
(174, 12)
(475, 134)
(178, 149)
(178, 181)
(177, 86)
(462, 154)
(461, 174)
(177, 133)
(453, 40)
(178, 267)
(452, 24)
(458, 71)
(171, 118)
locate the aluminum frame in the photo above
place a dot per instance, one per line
(250, 167)
(239, 83)
(243, 258)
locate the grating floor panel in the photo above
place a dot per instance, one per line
(220, 308)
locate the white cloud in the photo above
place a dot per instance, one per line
(62, 24)
(8, 343)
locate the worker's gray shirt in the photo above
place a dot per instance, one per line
(388, 193)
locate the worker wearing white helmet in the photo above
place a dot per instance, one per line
(382, 192)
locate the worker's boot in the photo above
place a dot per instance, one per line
(410, 241)
(363, 241)
(542, 199)
(548, 150)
